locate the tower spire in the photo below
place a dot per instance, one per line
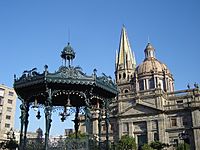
(125, 60)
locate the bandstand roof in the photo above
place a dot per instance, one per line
(66, 81)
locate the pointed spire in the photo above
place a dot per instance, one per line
(125, 59)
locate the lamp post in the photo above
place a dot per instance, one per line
(11, 134)
(183, 136)
(11, 143)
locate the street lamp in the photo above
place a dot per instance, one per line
(11, 134)
(183, 136)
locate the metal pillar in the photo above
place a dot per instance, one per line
(48, 113)
(99, 126)
(107, 123)
(24, 124)
(76, 122)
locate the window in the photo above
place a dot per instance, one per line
(154, 125)
(151, 83)
(104, 127)
(185, 120)
(1, 100)
(125, 127)
(10, 101)
(126, 91)
(8, 117)
(176, 142)
(10, 93)
(7, 125)
(120, 76)
(112, 126)
(179, 103)
(9, 109)
(124, 75)
(141, 85)
(174, 122)
(2, 92)
(156, 137)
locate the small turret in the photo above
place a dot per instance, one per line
(149, 51)
(68, 54)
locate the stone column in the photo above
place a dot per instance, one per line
(130, 129)
(149, 132)
(161, 129)
(120, 128)
(196, 128)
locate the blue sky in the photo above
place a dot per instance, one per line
(33, 33)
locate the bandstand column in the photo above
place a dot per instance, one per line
(76, 122)
(87, 114)
(107, 123)
(99, 126)
(24, 124)
(48, 120)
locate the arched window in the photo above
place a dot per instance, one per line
(120, 76)
(124, 75)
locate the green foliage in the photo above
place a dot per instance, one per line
(10, 145)
(158, 145)
(127, 143)
(79, 134)
(146, 147)
(35, 144)
(182, 146)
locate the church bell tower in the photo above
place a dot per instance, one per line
(125, 63)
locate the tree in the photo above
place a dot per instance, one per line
(79, 134)
(183, 146)
(158, 145)
(10, 145)
(146, 147)
(127, 143)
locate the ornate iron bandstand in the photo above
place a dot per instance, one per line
(67, 88)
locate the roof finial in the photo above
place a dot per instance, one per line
(68, 35)
(148, 40)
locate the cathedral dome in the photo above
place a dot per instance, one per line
(152, 65)
(152, 73)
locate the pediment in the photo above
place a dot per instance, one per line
(139, 109)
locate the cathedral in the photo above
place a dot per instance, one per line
(148, 107)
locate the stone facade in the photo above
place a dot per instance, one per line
(147, 107)
(8, 99)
